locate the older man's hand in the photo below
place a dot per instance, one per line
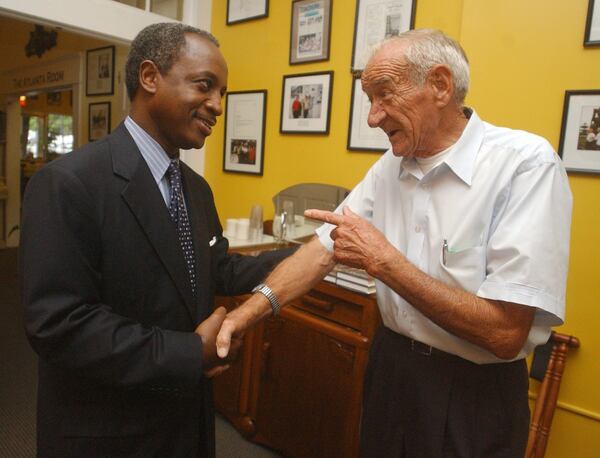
(356, 242)
(208, 330)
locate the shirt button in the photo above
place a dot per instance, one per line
(417, 228)
(404, 313)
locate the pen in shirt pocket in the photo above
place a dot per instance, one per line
(444, 251)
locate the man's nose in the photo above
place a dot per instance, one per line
(215, 104)
(376, 116)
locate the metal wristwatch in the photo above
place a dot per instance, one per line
(270, 295)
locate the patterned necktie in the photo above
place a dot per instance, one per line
(180, 217)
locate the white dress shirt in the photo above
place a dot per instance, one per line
(501, 200)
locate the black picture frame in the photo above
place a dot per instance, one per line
(314, 18)
(581, 116)
(244, 139)
(313, 119)
(391, 25)
(592, 25)
(98, 120)
(237, 15)
(361, 137)
(100, 71)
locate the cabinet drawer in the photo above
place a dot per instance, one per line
(332, 308)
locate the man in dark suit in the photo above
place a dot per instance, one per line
(119, 269)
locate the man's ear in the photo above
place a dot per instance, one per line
(149, 76)
(441, 83)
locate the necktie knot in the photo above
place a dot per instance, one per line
(174, 176)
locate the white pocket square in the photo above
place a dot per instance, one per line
(212, 241)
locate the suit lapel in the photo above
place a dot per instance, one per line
(145, 201)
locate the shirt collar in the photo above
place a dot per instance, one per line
(461, 157)
(154, 154)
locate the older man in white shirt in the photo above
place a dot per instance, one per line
(465, 226)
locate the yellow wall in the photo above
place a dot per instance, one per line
(523, 55)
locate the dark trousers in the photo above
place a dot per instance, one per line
(440, 405)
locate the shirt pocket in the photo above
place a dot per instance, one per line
(464, 268)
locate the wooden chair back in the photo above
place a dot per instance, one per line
(543, 412)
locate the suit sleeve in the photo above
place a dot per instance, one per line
(238, 274)
(66, 320)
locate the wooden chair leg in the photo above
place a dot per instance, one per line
(538, 411)
(545, 404)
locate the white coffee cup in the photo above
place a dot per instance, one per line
(231, 227)
(243, 229)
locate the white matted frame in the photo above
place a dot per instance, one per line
(245, 115)
(306, 103)
(592, 24)
(377, 20)
(100, 71)
(580, 131)
(246, 10)
(361, 137)
(310, 31)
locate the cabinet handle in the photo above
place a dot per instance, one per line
(344, 352)
(317, 303)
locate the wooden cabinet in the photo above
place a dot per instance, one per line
(297, 386)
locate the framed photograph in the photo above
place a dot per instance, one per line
(361, 137)
(246, 10)
(310, 31)
(100, 71)
(592, 24)
(579, 145)
(98, 120)
(245, 114)
(306, 103)
(377, 20)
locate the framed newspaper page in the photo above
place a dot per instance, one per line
(310, 31)
(377, 20)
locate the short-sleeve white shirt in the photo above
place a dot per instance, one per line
(501, 200)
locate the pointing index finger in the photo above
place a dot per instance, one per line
(325, 216)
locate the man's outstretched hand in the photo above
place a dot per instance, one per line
(207, 330)
(232, 330)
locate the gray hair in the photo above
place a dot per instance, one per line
(161, 43)
(427, 48)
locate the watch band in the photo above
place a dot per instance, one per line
(270, 295)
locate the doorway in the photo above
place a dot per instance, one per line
(46, 129)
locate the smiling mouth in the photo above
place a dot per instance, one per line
(207, 123)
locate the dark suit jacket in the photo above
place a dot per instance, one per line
(109, 308)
